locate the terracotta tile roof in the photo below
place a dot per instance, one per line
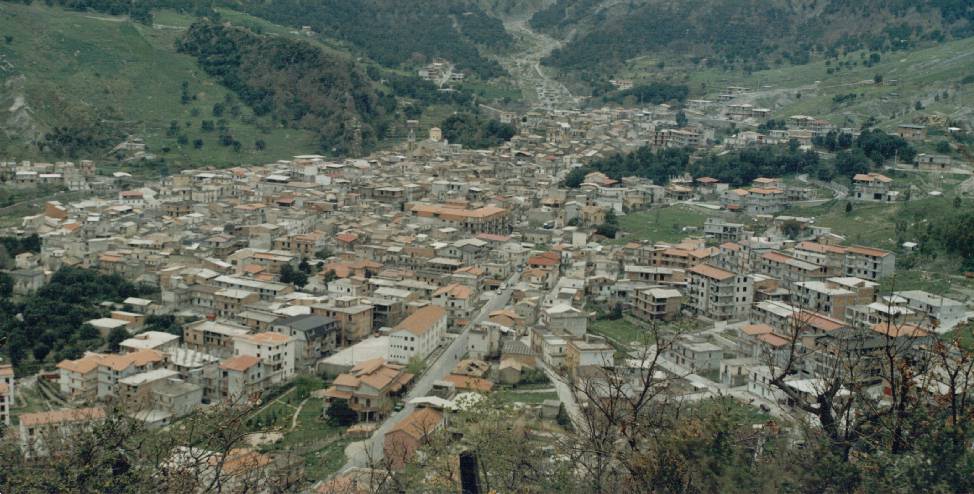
(776, 257)
(240, 363)
(896, 331)
(241, 461)
(268, 338)
(455, 290)
(419, 423)
(821, 248)
(773, 340)
(490, 237)
(347, 237)
(818, 321)
(252, 268)
(871, 177)
(543, 260)
(765, 192)
(138, 358)
(470, 383)
(334, 392)
(422, 320)
(711, 272)
(867, 251)
(61, 416)
(756, 329)
(83, 365)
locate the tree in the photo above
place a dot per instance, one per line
(293, 276)
(849, 163)
(116, 337)
(6, 285)
(329, 276)
(121, 454)
(610, 227)
(576, 176)
(681, 119)
(791, 229)
(88, 332)
(198, 144)
(943, 147)
(562, 418)
(878, 79)
(416, 366)
(340, 414)
(260, 145)
(304, 267)
(848, 207)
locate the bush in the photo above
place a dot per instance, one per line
(340, 414)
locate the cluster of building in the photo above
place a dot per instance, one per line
(403, 254)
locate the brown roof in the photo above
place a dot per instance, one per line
(61, 416)
(139, 358)
(821, 248)
(896, 331)
(867, 251)
(268, 338)
(470, 383)
(419, 423)
(83, 365)
(818, 321)
(241, 461)
(239, 363)
(711, 272)
(375, 373)
(455, 290)
(773, 340)
(422, 320)
(756, 329)
(871, 177)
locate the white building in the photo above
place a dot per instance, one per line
(418, 335)
(275, 351)
(564, 317)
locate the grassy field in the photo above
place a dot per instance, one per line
(527, 397)
(670, 224)
(310, 436)
(97, 61)
(875, 225)
(920, 75)
(621, 330)
(872, 224)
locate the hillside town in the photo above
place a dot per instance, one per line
(430, 278)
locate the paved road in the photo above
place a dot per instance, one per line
(357, 454)
(839, 190)
(565, 395)
(525, 67)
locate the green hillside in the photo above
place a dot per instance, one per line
(398, 33)
(101, 78)
(843, 90)
(753, 34)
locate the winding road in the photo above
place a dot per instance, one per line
(525, 67)
(358, 454)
